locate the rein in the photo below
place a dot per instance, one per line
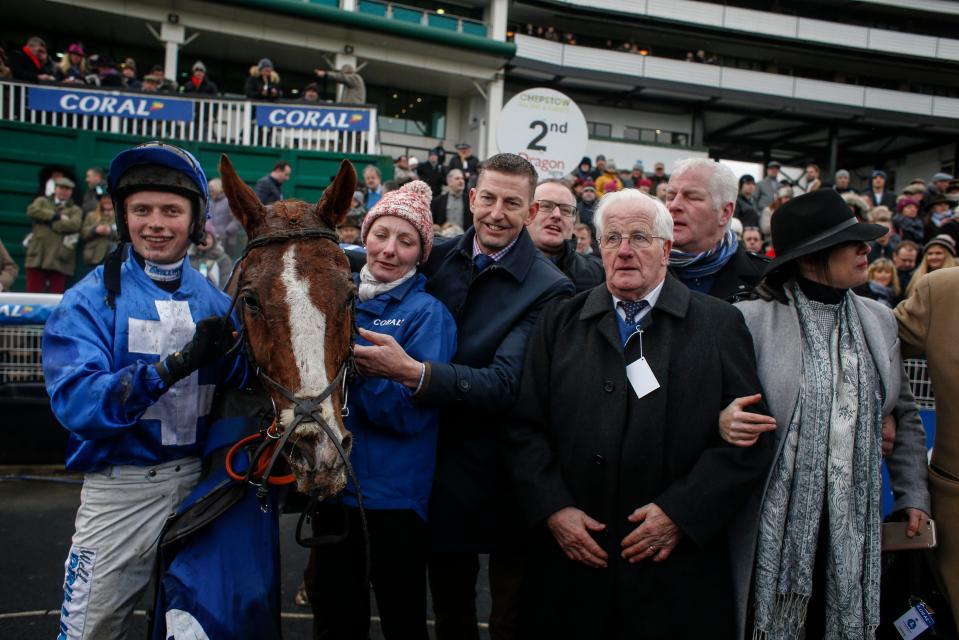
(272, 445)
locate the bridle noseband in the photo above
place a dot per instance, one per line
(303, 408)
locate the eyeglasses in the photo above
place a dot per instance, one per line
(638, 241)
(547, 206)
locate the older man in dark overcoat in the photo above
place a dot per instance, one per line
(614, 449)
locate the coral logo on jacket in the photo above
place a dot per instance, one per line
(101, 103)
(391, 322)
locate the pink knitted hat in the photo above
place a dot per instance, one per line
(411, 202)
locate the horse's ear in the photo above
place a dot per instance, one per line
(335, 201)
(243, 202)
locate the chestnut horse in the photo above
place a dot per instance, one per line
(294, 298)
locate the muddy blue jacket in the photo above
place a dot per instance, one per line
(97, 366)
(394, 439)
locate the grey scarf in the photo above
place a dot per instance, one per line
(829, 460)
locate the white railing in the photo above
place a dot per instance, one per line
(218, 120)
(573, 57)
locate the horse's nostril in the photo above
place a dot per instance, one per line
(347, 441)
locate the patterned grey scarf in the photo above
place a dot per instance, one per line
(830, 459)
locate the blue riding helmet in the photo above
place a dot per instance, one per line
(157, 166)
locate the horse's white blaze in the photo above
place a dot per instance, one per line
(308, 338)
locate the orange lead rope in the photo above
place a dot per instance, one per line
(261, 463)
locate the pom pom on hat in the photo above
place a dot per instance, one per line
(411, 202)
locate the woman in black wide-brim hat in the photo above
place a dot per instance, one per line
(830, 366)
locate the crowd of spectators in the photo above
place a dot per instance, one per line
(921, 218)
(33, 63)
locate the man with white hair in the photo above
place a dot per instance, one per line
(706, 254)
(616, 458)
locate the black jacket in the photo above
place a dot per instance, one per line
(580, 437)
(585, 272)
(255, 89)
(434, 176)
(739, 277)
(469, 169)
(888, 199)
(22, 67)
(471, 507)
(746, 212)
(438, 209)
(268, 190)
(206, 87)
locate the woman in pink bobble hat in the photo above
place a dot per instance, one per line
(394, 440)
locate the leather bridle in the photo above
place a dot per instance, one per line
(272, 443)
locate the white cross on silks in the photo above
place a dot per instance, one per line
(178, 408)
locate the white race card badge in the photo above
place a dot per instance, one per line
(640, 375)
(641, 378)
(912, 623)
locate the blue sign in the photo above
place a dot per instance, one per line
(324, 119)
(19, 314)
(103, 103)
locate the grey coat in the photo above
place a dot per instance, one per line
(776, 338)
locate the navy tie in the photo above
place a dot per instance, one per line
(482, 261)
(633, 308)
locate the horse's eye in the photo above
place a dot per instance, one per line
(251, 303)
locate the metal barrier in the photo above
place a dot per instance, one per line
(20, 361)
(219, 120)
(917, 371)
(20, 358)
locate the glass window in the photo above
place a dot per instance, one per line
(599, 129)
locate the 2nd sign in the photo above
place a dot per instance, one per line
(547, 128)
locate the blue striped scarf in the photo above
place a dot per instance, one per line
(707, 263)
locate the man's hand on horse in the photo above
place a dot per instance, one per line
(213, 339)
(385, 358)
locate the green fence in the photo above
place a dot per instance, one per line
(25, 149)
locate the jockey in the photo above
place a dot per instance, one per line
(131, 357)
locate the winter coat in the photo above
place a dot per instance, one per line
(225, 224)
(96, 246)
(433, 175)
(8, 269)
(213, 264)
(886, 199)
(23, 67)
(206, 87)
(608, 176)
(354, 89)
(471, 508)
(469, 167)
(257, 89)
(927, 328)
(580, 437)
(776, 335)
(99, 373)
(586, 212)
(394, 438)
(585, 272)
(53, 242)
(268, 190)
(736, 280)
(766, 190)
(746, 212)
(440, 203)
